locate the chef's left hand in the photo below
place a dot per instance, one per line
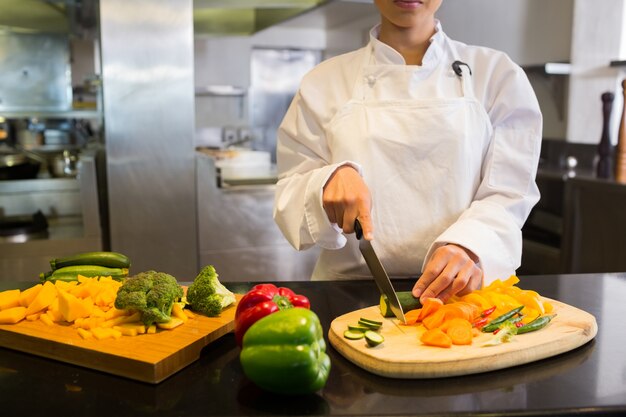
(452, 270)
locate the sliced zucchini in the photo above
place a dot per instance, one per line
(370, 326)
(358, 327)
(373, 339)
(353, 334)
(372, 322)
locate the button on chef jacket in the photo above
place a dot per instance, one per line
(448, 158)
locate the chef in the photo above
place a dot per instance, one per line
(430, 143)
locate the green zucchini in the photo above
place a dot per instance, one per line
(407, 302)
(373, 339)
(70, 273)
(108, 259)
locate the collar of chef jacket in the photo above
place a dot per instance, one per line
(384, 54)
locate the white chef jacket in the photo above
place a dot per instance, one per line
(497, 173)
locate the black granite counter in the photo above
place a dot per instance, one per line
(590, 380)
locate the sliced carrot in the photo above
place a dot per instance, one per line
(436, 337)
(435, 319)
(455, 310)
(460, 335)
(411, 316)
(470, 310)
(429, 306)
(456, 321)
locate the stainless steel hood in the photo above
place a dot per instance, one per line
(245, 17)
(210, 17)
(73, 17)
(33, 16)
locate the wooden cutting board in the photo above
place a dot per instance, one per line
(147, 357)
(402, 355)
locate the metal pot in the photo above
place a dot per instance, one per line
(15, 165)
(64, 165)
(29, 133)
(18, 229)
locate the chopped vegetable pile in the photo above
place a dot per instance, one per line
(87, 304)
(103, 307)
(501, 308)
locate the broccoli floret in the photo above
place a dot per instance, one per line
(151, 293)
(212, 306)
(135, 300)
(207, 294)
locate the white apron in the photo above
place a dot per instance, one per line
(414, 153)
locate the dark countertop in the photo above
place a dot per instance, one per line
(590, 380)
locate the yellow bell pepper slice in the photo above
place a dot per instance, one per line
(531, 299)
(548, 307)
(511, 281)
(530, 314)
(478, 300)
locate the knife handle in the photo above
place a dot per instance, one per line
(358, 230)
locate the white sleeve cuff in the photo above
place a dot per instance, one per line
(487, 245)
(325, 234)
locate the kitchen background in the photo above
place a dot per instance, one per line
(148, 127)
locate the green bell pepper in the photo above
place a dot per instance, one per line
(285, 352)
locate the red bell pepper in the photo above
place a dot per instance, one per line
(263, 300)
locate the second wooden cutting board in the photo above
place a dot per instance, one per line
(147, 357)
(402, 355)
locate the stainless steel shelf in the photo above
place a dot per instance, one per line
(220, 91)
(550, 68)
(52, 114)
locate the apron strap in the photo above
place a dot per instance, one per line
(465, 73)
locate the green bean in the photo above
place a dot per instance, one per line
(495, 323)
(538, 323)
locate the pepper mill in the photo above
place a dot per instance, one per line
(605, 150)
(620, 161)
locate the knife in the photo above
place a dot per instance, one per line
(378, 272)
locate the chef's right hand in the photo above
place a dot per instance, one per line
(346, 198)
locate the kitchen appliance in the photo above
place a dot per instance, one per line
(378, 272)
(16, 165)
(22, 228)
(72, 208)
(402, 355)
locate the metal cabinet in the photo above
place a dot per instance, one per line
(237, 235)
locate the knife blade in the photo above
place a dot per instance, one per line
(378, 272)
